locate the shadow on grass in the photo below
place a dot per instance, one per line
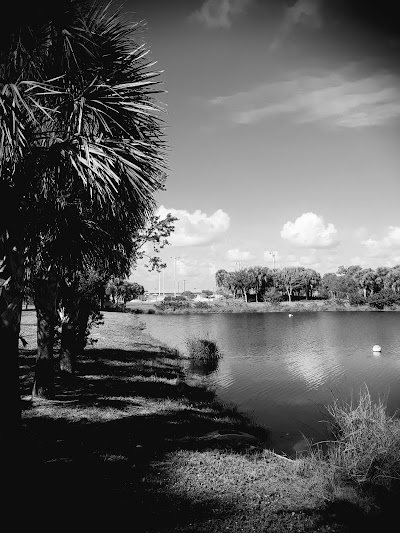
(93, 455)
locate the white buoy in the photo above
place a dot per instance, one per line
(290, 314)
(376, 348)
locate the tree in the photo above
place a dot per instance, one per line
(222, 279)
(241, 281)
(290, 279)
(85, 123)
(312, 281)
(329, 284)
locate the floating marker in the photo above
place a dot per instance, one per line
(376, 348)
(290, 314)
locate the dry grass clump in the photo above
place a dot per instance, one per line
(203, 350)
(367, 441)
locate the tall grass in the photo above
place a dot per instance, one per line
(203, 350)
(366, 445)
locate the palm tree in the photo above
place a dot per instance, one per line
(79, 133)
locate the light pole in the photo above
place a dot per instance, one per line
(178, 287)
(159, 284)
(184, 281)
(175, 258)
(273, 259)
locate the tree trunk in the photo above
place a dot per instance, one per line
(11, 295)
(68, 349)
(46, 292)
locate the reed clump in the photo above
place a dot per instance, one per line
(366, 445)
(203, 350)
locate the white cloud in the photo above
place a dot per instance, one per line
(303, 12)
(337, 99)
(219, 13)
(310, 231)
(236, 255)
(389, 243)
(197, 228)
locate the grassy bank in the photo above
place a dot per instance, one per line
(240, 306)
(135, 442)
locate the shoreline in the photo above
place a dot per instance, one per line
(132, 431)
(137, 306)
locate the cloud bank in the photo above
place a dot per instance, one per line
(310, 231)
(197, 228)
(219, 13)
(337, 99)
(390, 242)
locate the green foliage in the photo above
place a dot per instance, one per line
(367, 441)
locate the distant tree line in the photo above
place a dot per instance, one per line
(356, 284)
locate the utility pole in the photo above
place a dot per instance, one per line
(184, 288)
(159, 284)
(178, 287)
(163, 282)
(273, 259)
(238, 264)
(175, 258)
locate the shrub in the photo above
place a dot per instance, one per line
(172, 305)
(383, 298)
(273, 296)
(367, 441)
(203, 350)
(357, 299)
(202, 305)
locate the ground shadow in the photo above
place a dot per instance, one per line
(91, 458)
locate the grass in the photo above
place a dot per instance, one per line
(366, 446)
(203, 350)
(127, 441)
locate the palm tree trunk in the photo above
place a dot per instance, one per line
(68, 349)
(11, 295)
(46, 292)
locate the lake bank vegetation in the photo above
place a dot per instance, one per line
(135, 430)
(293, 289)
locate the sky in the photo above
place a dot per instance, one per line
(283, 127)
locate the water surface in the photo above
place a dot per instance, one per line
(282, 370)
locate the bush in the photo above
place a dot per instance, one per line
(202, 350)
(367, 441)
(382, 299)
(172, 305)
(202, 305)
(273, 296)
(357, 299)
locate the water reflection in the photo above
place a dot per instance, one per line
(203, 368)
(282, 371)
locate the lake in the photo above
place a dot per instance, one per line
(282, 370)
